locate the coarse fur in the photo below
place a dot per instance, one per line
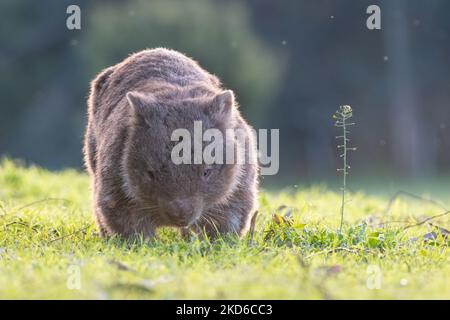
(133, 108)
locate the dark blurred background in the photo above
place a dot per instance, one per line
(291, 63)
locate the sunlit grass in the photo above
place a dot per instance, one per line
(47, 236)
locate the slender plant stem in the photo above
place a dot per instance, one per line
(342, 115)
(344, 172)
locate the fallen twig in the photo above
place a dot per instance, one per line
(417, 197)
(16, 222)
(426, 220)
(42, 200)
(68, 235)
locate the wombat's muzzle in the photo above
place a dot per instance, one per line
(182, 212)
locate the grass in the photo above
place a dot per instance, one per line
(48, 238)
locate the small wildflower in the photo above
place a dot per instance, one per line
(346, 110)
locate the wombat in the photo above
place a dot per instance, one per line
(133, 108)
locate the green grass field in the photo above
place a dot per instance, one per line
(49, 248)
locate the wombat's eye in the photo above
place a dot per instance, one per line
(150, 174)
(207, 171)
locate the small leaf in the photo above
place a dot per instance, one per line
(287, 219)
(276, 217)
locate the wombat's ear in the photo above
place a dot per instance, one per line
(139, 101)
(223, 104)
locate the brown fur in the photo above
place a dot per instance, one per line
(133, 108)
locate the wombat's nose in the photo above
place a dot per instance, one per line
(183, 212)
(179, 211)
(180, 208)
